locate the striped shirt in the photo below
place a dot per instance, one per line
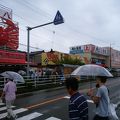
(78, 107)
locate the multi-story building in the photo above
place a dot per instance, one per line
(104, 56)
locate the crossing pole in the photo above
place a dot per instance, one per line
(57, 20)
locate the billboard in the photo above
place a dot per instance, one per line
(12, 57)
(89, 48)
(9, 30)
(50, 58)
(56, 58)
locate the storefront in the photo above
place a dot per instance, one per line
(10, 60)
(93, 54)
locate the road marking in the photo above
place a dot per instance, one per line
(52, 118)
(30, 116)
(4, 108)
(90, 101)
(67, 97)
(43, 103)
(50, 101)
(2, 103)
(15, 111)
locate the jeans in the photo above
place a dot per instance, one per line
(97, 117)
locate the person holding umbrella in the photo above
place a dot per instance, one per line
(9, 91)
(78, 106)
(101, 99)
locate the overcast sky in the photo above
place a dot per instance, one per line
(86, 22)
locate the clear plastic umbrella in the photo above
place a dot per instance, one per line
(91, 70)
(13, 75)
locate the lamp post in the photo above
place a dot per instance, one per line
(57, 20)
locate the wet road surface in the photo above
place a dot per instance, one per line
(53, 104)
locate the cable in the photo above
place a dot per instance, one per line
(59, 33)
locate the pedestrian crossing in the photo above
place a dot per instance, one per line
(89, 101)
(24, 114)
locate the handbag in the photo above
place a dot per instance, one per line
(112, 112)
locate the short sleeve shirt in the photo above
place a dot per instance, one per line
(102, 109)
(10, 89)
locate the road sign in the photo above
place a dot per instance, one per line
(58, 19)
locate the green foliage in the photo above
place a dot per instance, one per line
(71, 61)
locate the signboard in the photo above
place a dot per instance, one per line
(9, 30)
(12, 57)
(5, 12)
(89, 48)
(50, 58)
(58, 19)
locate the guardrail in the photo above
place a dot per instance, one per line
(37, 81)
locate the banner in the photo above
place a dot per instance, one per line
(12, 57)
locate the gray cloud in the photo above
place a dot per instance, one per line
(86, 21)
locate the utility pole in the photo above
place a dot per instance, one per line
(57, 20)
(110, 57)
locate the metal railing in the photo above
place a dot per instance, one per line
(37, 81)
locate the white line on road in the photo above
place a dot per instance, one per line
(52, 118)
(4, 108)
(67, 97)
(15, 111)
(2, 103)
(90, 101)
(30, 116)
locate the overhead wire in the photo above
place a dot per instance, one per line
(31, 7)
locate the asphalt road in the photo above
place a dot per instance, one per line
(53, 104)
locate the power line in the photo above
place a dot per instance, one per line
(74, 30)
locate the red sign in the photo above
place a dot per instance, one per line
(9, 35)
(12, 57)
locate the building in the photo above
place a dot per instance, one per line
(104, 56)
(10, 57)
(56, 60)
(94, 54)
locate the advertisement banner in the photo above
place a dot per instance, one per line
(12, 57)
(50, 58)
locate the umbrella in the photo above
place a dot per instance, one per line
(13, 75)
(91, 70)
(21, 72)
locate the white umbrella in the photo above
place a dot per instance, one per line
(13, 75)
(21, 72)
(91, 70)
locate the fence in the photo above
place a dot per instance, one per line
(37, 81)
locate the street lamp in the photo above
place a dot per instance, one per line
(57, 20)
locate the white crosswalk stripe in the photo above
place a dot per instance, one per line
(23, 114)
(15, 111)
(30, 116)
(52, 118)
(2, 103)
(68, 97)
(4, 108)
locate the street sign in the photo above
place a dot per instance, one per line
(58, 19)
